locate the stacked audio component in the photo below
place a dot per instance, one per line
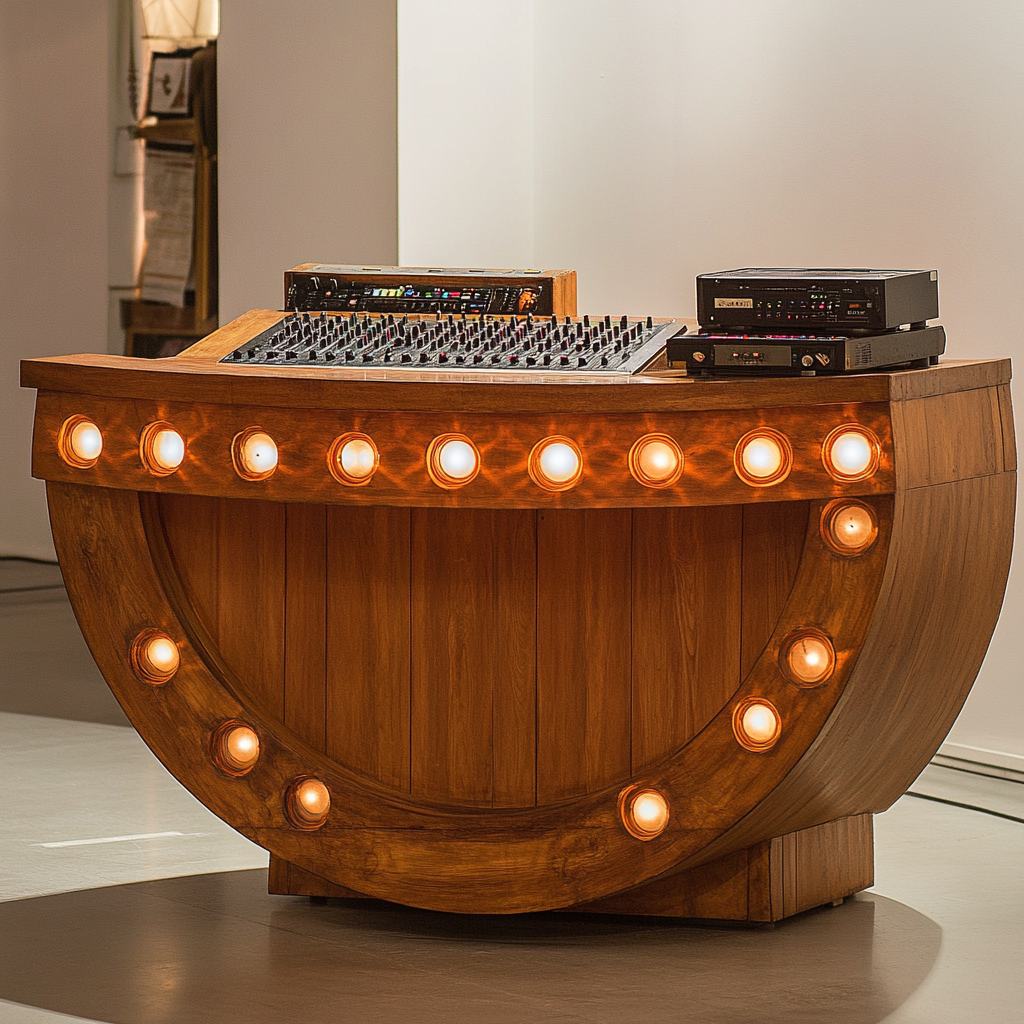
(603, 344)
(806, 322)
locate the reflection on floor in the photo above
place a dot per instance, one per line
(94, 925)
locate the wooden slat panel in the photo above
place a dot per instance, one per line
(305, 651)
(368, 641)
(1009, 434)
(583, 651)
(773, 539)
(473, 656)
(190, 525)
(948, 437)
(250, 622)
(686, 623)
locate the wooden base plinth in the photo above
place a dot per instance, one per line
(766, 882)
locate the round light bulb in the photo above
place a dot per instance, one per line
(810, 658)
(155, 657)
(79, 442)
(86, 441)
(850, 453)
(161, 448)
(644, 812)
(848, 528)
(556, 464)
(756, 724)
(236, 748)
(452, 460)
(308, 803)
(358, 458)
(457, 459)
(655, 460)
(168, 449)
(254, 454)
(763, 457)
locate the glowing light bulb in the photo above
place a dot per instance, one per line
(644, 812)
(79, 442)
(457, 459)
(308, 803)
(655, 460)
(556, 463)
(254, 454)
(236, 748)
(452, 460)
(848, 528)
(809, 658)
(763, 457)
(353, 459)
(161, 448)
(756, 724)
(155, 657)
(850, 453)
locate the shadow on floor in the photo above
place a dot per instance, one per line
(216, 949)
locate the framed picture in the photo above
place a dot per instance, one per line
(170, 80)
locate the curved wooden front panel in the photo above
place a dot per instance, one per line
(442, 652)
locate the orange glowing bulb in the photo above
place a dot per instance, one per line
(236, 748)
(762, 457)
(308, 803)
(86, 441)
(458, 460)
(558, 462)
(760, 723)
(358, 459)
(155, 657)
(168, 449)
(259, 453)
(810, 658)
(655, 460)
(644, 812)
(851, 453)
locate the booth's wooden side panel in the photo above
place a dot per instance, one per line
(686, 624)
(191, 525)
(473, 656)
(368, 641)
(584, 635)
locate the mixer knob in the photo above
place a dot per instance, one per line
(547, 359)
(423, 357)
(650, 322)
(586, 324)
(582, 361)
(349, 356)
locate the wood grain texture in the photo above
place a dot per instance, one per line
(368, 642)
(686, 624)
(305, 651)
(769, 881)
(473, 656)
(1008, 432)
(957, 437)
(304, 439)
(584, 636)
(773, 541)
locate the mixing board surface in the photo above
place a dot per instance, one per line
(620, 345)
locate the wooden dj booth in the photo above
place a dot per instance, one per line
(646, 680)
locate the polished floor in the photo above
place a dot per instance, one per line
(126, 901)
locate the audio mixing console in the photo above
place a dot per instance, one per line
(622, 345)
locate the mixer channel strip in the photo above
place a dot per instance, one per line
(574, 344)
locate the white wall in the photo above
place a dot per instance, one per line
(53, 222)
(307, 141)
(671, 139)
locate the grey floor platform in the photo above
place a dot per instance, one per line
(125, 901)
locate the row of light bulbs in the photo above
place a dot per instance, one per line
(807, 659)
(762, 457)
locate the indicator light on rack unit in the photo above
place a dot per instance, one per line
(556, 463)
(452, 461)
(79, 442)
(154, 657)
(851, 452)
(254, 454)
(644, 812)
(161, 448)
(756, 724)
(656, 460)
(353, 459)
(307, 803)
(763, 457)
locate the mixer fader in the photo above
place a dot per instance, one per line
(621, 345)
